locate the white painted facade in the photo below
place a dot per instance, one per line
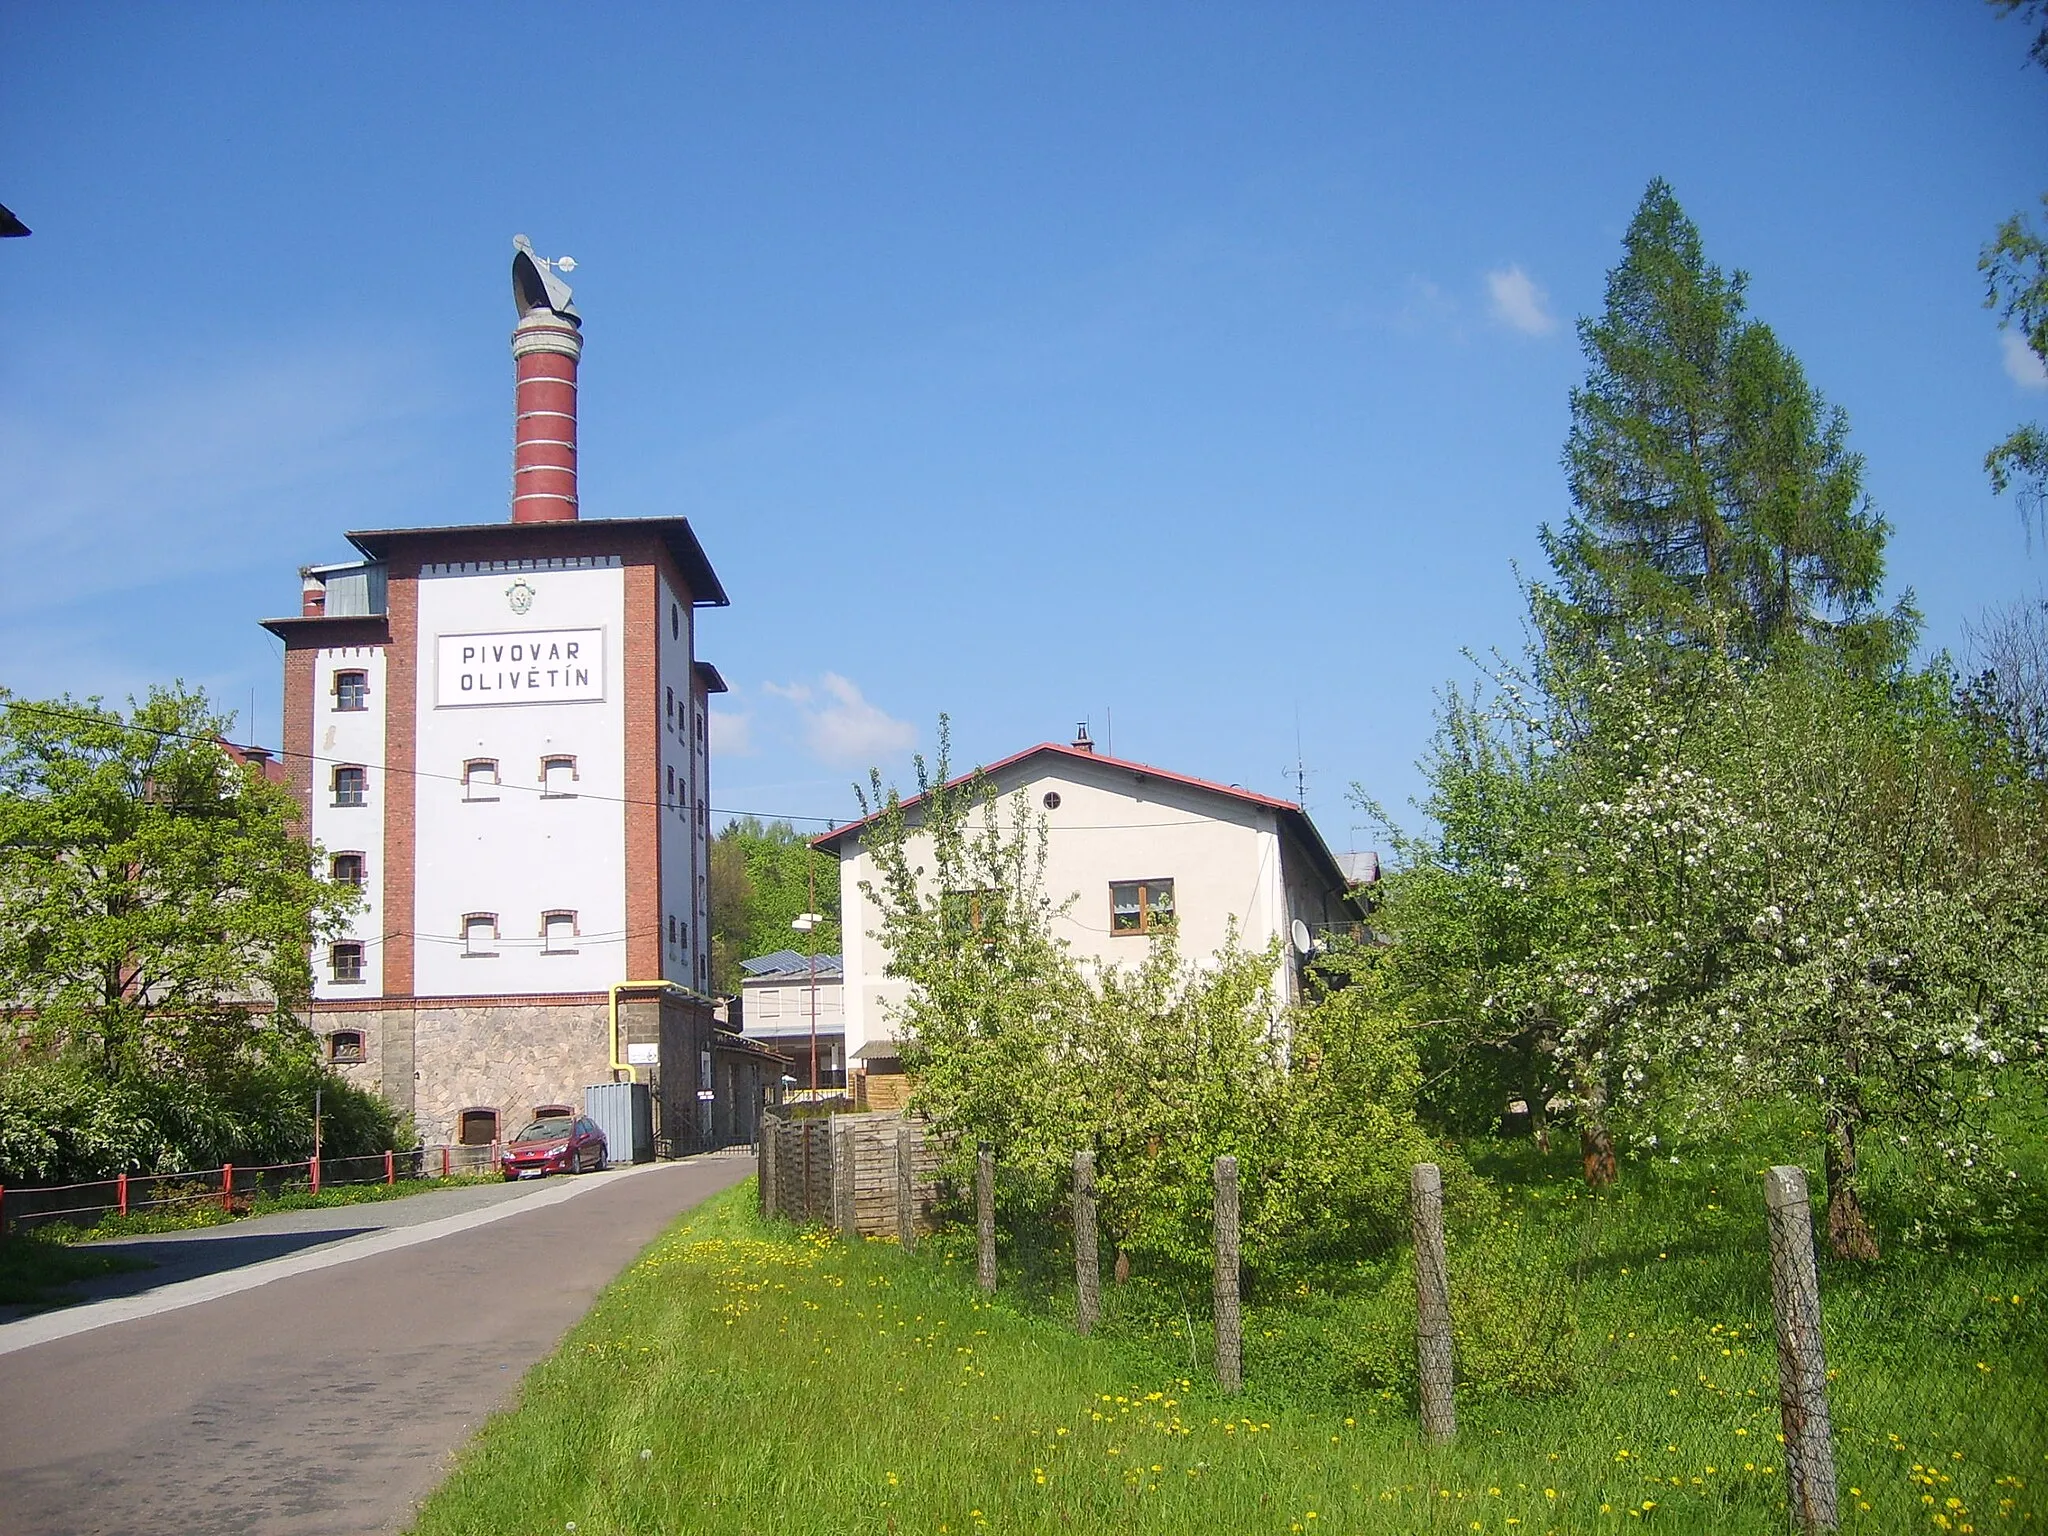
(1231, 857)
(351, 738)
(516, 841)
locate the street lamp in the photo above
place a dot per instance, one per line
(804, 923)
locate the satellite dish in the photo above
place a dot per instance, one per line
(1303, 944)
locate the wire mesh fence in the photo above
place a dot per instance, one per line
(1730, 1363)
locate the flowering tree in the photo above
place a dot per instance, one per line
(1693, 882)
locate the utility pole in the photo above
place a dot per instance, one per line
(806, 925)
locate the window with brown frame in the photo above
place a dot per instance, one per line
(480, 779)
(346, 869)
(477, 1127)
(351, 690)
(1140, 906)
(345, 962)
(558, 933)
(351, 786)
(345, 1045)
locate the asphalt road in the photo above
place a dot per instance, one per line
(317, 1377)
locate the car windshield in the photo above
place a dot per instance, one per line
(546, 1130)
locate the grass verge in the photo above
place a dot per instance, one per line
(35, 1269)
(747, 1377)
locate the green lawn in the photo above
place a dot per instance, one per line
(749, 1377)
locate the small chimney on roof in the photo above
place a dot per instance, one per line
(1082, 741)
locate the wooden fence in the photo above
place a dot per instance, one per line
(842, 1169)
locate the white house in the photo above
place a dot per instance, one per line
(1134, 846)
(789, 1001)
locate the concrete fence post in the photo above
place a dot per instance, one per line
(764, 1165)
(1434, 1367)
(1229, 1315)
(1087, 1261)
(1802, 1369)
(906, 1186)
(985, 1219)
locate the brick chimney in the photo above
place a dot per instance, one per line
(546, 345)
(1083, 742)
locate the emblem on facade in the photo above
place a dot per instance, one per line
(520, 596)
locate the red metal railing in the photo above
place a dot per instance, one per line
(232, 1186)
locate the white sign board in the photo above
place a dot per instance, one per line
(535, 666)
(648, 1055)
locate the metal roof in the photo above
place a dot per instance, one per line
(788, 963)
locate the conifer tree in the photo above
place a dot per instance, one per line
(1715, 499)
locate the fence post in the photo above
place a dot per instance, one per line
(390, 1168)
(1432, 1305)
(985, 1219)
(1802, 1371)
(227, 1188)
(906, 1186)
(844, 1215)
(313, 1172)
(1229, 1317)
(121, 1190)
(764, 1172)
(1087, 1263)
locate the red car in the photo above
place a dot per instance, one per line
(554, 1145)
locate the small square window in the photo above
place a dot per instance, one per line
(351, 690)
(480, 933)
(480, 779)
(346, 869)
(351, 786)
(345, 962)
(345, 1045)
(558, 933)
(558, 777)
(1141, 906)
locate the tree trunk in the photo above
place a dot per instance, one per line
(1596, 1151)
(1123, 1265)
(1596, 1142)
(1849, 1231)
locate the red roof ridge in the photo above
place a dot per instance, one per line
(1229, 791)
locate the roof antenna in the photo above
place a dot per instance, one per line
(1299, 772)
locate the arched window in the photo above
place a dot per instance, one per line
(351, 786)
(351, 690)
(558, 776)
(480, 779)
(477, 1127)
(480, 933)
(345, 1045)
(345, 962)
(558, 933)
(346, 869)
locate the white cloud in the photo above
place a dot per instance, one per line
(2021, 366)
(1518, 303)
(840, 726)
(732, 735)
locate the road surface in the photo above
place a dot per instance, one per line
(312, 1373)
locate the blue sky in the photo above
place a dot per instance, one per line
(1199, 371)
